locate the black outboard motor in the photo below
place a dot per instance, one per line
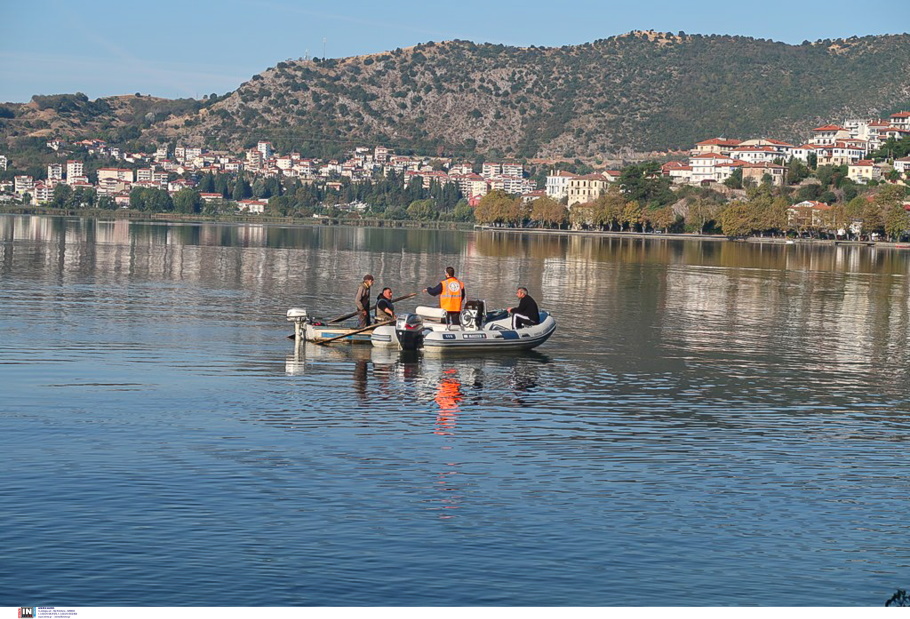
(473, 314)
(409, 330)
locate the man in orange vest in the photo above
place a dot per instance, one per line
(451, 295)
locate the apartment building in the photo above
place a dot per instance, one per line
(74, 170)
(586, 188)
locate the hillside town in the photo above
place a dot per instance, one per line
(711, 162)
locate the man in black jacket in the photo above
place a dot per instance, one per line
(526, 313)
(385, 309)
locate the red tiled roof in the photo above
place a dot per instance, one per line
(719, 142)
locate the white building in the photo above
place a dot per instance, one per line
(55, 172)
(710, 167)
(756, 154)
(265, 148)
(827, 135)
(491, 169)
(23, 184)
(558, 184)
(74, 170)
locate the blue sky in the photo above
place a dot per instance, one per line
(187, 49)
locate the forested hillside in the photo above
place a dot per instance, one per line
(637, 92)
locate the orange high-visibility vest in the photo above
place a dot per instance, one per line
(450, 298)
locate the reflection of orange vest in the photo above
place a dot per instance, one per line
(450, 299)
(448, 395)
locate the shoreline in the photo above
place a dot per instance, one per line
(694, 236)
(429, 225)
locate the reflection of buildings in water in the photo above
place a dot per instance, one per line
(251, 235)
(842, 317)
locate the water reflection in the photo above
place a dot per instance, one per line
(726, 403)
(448, 398)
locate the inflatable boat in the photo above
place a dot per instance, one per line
(308, 329)
(427, 330)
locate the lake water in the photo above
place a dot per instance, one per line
(711, 424)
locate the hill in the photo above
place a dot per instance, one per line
(643, 91)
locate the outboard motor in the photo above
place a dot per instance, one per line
(473, 314)
(409, 330)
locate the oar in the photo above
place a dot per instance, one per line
(354, 313)
(354, 332)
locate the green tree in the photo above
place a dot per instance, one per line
(242, 189)
(63, 196)
(151, 200)
(631, 214)
(422, 210)
(463, 211)
(735, 180)
(609, 208)
(896, 222)
(187, 201)
(701, 213)
(737, 219)
(644, 183)
(549, 212)
(663, 219)
(797, 171)
(583, 215)
(495, 208)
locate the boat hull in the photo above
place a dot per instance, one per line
(317, 333)
(497, 335)
(308, 330)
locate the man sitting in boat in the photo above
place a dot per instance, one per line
(385, 310)
(451, 295)
(362, 301)
(526, 313)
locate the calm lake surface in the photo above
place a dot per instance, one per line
(711, 424)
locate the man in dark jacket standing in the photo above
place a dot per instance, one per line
(526, 313)
(362, 301)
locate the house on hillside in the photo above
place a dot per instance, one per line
(756, 154)
(901, 120)
(756, 172)
(827, 135)
(711, 168)
(716, 146)
(679, 172)
(864, 171)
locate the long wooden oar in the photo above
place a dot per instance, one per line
(354, 313)
(354, 332)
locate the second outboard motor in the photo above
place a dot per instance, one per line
(409, 330)
(473, 314)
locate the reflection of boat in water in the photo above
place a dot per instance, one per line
(427, 330)
(308, 329)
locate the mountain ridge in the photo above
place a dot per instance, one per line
(640, 91)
